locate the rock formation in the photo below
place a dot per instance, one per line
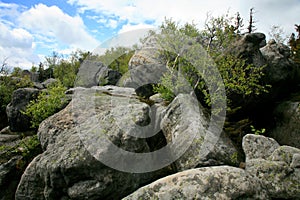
(20, 99)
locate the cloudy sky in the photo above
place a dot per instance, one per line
(31, 30)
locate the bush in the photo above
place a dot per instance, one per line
(48, 103)
(239, 77)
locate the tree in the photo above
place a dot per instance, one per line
(117, 58)
(294, 43)
(17, 72)
(239, 77)
(41, 72)
(33, 69)
(4, 69)
(277, 33)
(251, 27)
(66, 69)
(51, 62)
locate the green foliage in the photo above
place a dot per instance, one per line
(117, 58)
(257, 131)
(166, 88)
(48, 103)
(66, 72)
(29, 147)
(239, 77)
(62, 69)
(17, 72)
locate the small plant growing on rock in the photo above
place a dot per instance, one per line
(257, 131)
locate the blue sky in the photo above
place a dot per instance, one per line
(31, 30)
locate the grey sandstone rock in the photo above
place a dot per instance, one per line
(222, 182)
(277, 170)
(93, 73)
(49, 82)
(287, 128)
(147, 54)
(9, 177)
(186, 122)
(20, 99)
(142, 77)
(257, 146)
(72, 139)
(280, 67)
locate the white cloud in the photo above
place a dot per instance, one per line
(129, 27)
(54, 23)
(273, 12)
(139, 11)
(268, 12)
(112, 23)
(17, 45)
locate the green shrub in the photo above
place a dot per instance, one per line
(48, 103)
(239, 77)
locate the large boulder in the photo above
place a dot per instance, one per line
(287, 128)
(48, 82)
(280, 69)
(10, 174)
(93, 73)
(15, 154)
(107, 76)
(147, 54)
(142, 77)
(222, 182)
(74, 143)
(187, 122)
(3, 120)
(20, 99)
(277, 167)
(248, 47)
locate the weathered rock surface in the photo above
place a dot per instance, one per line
(278, 169)
(16, 119)
(280, 68)
(15, 155)
(142, 77)
(287, 128)
(3, 120)
(93, 73)
(147, 54)
(49, 82)
(72, 141)
(222, 182)
(247, 47)
(10, 174)
(272, 172)
(256, 146)
(186, 122)
(107, 76)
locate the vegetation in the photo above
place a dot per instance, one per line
(9, 84)
(117, 58)
(294, 43)
(29, 147)
(62, 69)
(240, 78)
(48, 103)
